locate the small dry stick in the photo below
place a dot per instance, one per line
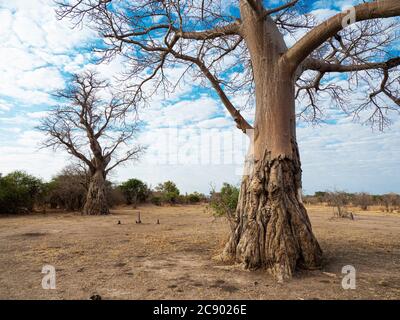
(138, 218)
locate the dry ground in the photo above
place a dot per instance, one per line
(172, 260)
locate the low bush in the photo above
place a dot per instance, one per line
(194, 197)
(156, 200)
(19, 192)
(224, 202)
(68, 189)
(168, 191)
(134, 191)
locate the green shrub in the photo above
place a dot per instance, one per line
(168, 191)
(19, 192)
(156, 200)
(224, 203)
(181, 199)
(194, 197)
(135, 191)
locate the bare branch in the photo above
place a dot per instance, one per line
(230, 29)
(329, 28)
(323, 66)
(280, 8)
(133, 154)
(241, 123)
(85, 125)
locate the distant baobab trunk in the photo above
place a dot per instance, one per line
(96, 199)
(272, 227)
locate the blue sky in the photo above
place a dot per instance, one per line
(191, 138)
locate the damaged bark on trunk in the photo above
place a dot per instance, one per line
(272, 229)
(96, 199)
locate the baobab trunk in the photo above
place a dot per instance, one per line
(96, 200)
(272, 229)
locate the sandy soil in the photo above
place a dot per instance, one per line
(172, 260)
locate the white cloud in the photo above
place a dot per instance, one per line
(16, 60)
(218, 122)
(37, 114)
(34, 48)
(45, 79)
(323, 14)
(5, 23)
(27, 31)
(350, 156)
(4, 106)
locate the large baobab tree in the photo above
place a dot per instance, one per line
(241, 48)
(90, 125)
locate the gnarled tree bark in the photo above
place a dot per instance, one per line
(272, 229)
(96, 199)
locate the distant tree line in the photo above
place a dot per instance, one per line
(223, 203)
(389, 202)
(23, 193)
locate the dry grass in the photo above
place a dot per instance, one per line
(172, 260)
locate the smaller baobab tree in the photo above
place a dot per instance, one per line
(89, 123)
